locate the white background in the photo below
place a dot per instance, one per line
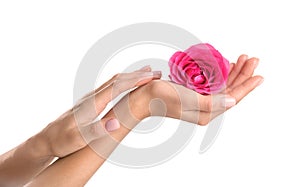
(42, 44)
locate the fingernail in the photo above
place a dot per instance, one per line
(156, 74)
(145, 68)
(229, 101)
(255, 63)
(112, 125)
(147, 74)
(152, 74)
(260, 82)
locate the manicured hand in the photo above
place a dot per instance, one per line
(168, 99)
(76, 128)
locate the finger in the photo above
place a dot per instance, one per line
(231, 102)
(146, 80)
(99, 129)
(201, 117)
(113, 78)
(236, 69)
(124, 82)
(143, 69)
(92, 106)
(240, 91)
(245, 73)
(191, 100)
(214, 103)
(231, 67)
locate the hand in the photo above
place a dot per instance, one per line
(172, 100)
(76, 128)
(155, 98)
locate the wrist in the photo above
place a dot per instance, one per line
(164, 99)
(139, 101)
(39, 147)
(151, 99)
(132, 108)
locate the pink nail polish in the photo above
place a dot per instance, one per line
(229, 101)
(157, 74)
(112, 125)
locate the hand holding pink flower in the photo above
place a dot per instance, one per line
(201, 68)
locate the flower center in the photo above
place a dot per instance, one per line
(199, 79)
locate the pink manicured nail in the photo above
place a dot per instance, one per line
(229, 101)
(157, 74)
(112, 125)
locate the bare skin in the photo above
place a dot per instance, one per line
(78, 163)
(240, 83)
(63, 136)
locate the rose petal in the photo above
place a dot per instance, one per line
(201, 68)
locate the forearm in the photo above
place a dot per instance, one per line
(21, 164)
(77, 168)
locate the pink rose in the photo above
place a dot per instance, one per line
(201, 68)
